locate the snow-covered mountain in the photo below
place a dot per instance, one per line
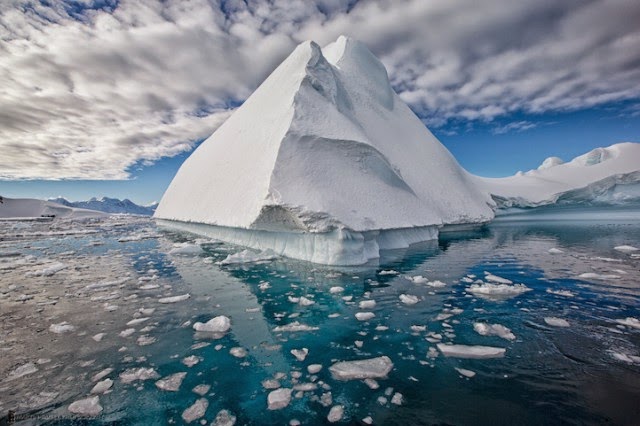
(603, 176)
(324, 162)
(32, 208)
(109, 205)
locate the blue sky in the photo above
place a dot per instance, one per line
(107, 97)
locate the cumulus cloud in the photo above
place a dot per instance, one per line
(93, 87)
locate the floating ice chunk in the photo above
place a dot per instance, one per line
(279, 398)
(557, 322)
(60, 328)
(174, 299)
(409, 299)
(23, 370)
(305, 387)
(555, 251)
(247, 256)
(238, 352)
(368, 420)
(365, 316)
(397, 398)
(86, 407)
(128, 332)
(418, 328)
(191, 360)
(466, 373)
(171, 383)
(372, 384)
(436, 284)
(373, 368)
(335, 414)
(565, 293)
(485, 329)
(196, 411)
(497, 290)
(270, 384)
(630, 322)
(305, 302)
(224, 418)
(336, 289)
(630, 359)
(388, 272)
(626, 249)
(294, 327)
(133, 374)
(98, 337)
(367, 304)
(48, 271)
(470, 352)
(219, 324)
(101, 374)
(201, 389)
(596, 276)
(418, 279)
(149, 287)
(137, 321)
(146, 340)
(186, 249)
(496, 279)
(300, 354)
(314, 368)
(102, 386)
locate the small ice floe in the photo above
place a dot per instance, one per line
(418, 279)
(86, 407)
(128, 332)
(364, 316)
(372, 384)
(496, 279)
(300, 354)
(554, 250)
(629, 359)
(133, 374)
(201, 390)
(137, 321)
(196, 411)
(247, 256)
(367, 304)
(102, 386)
(105, 284)
(264, 286)
(48, 271)
(368, 420)
(186, 249)
(149, 286)
(238, 352)
(294, 327)
(388, 272)
(470, 352)
(626, 249)
(314, 368)
(372, 368)
(418, 328)
(466, 373)
(489, 290)
(219, 324)
(60, 328)
(556, 322)
(305, 387)
(336, 289)
(485, 329)
(565, 293)
(436, 284)
(191, 360)
(23, 370)
(146, 340)
(397, 398)
(466, 280)
(335, 414)
(174, 299)
(279, 399)
(596, 276)
(409, 299)
(171, 383)
(630, 322)
(101, 374)
(305, 301)
(224, 418)
(270, 384)
(98, 337)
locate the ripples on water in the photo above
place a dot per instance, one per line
(117, 270)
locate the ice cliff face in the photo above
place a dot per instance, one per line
(324, 146)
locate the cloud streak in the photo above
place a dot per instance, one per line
(93, 88)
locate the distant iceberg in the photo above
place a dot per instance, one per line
(325, 163)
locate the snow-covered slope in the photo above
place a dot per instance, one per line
(31, 208)
(322, 156)
(109, 205)
(608, 175)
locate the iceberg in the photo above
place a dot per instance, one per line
(324, 163)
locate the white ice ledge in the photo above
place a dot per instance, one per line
(338, 247)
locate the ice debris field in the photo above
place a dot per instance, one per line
(114, 320)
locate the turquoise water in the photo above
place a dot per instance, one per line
(549, 375)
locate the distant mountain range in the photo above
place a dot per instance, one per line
(109, 205)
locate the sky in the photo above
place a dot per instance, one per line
(108, 98)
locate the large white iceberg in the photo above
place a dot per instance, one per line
(602, 176)
(324, 163)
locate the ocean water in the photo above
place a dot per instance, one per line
(98, 276)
